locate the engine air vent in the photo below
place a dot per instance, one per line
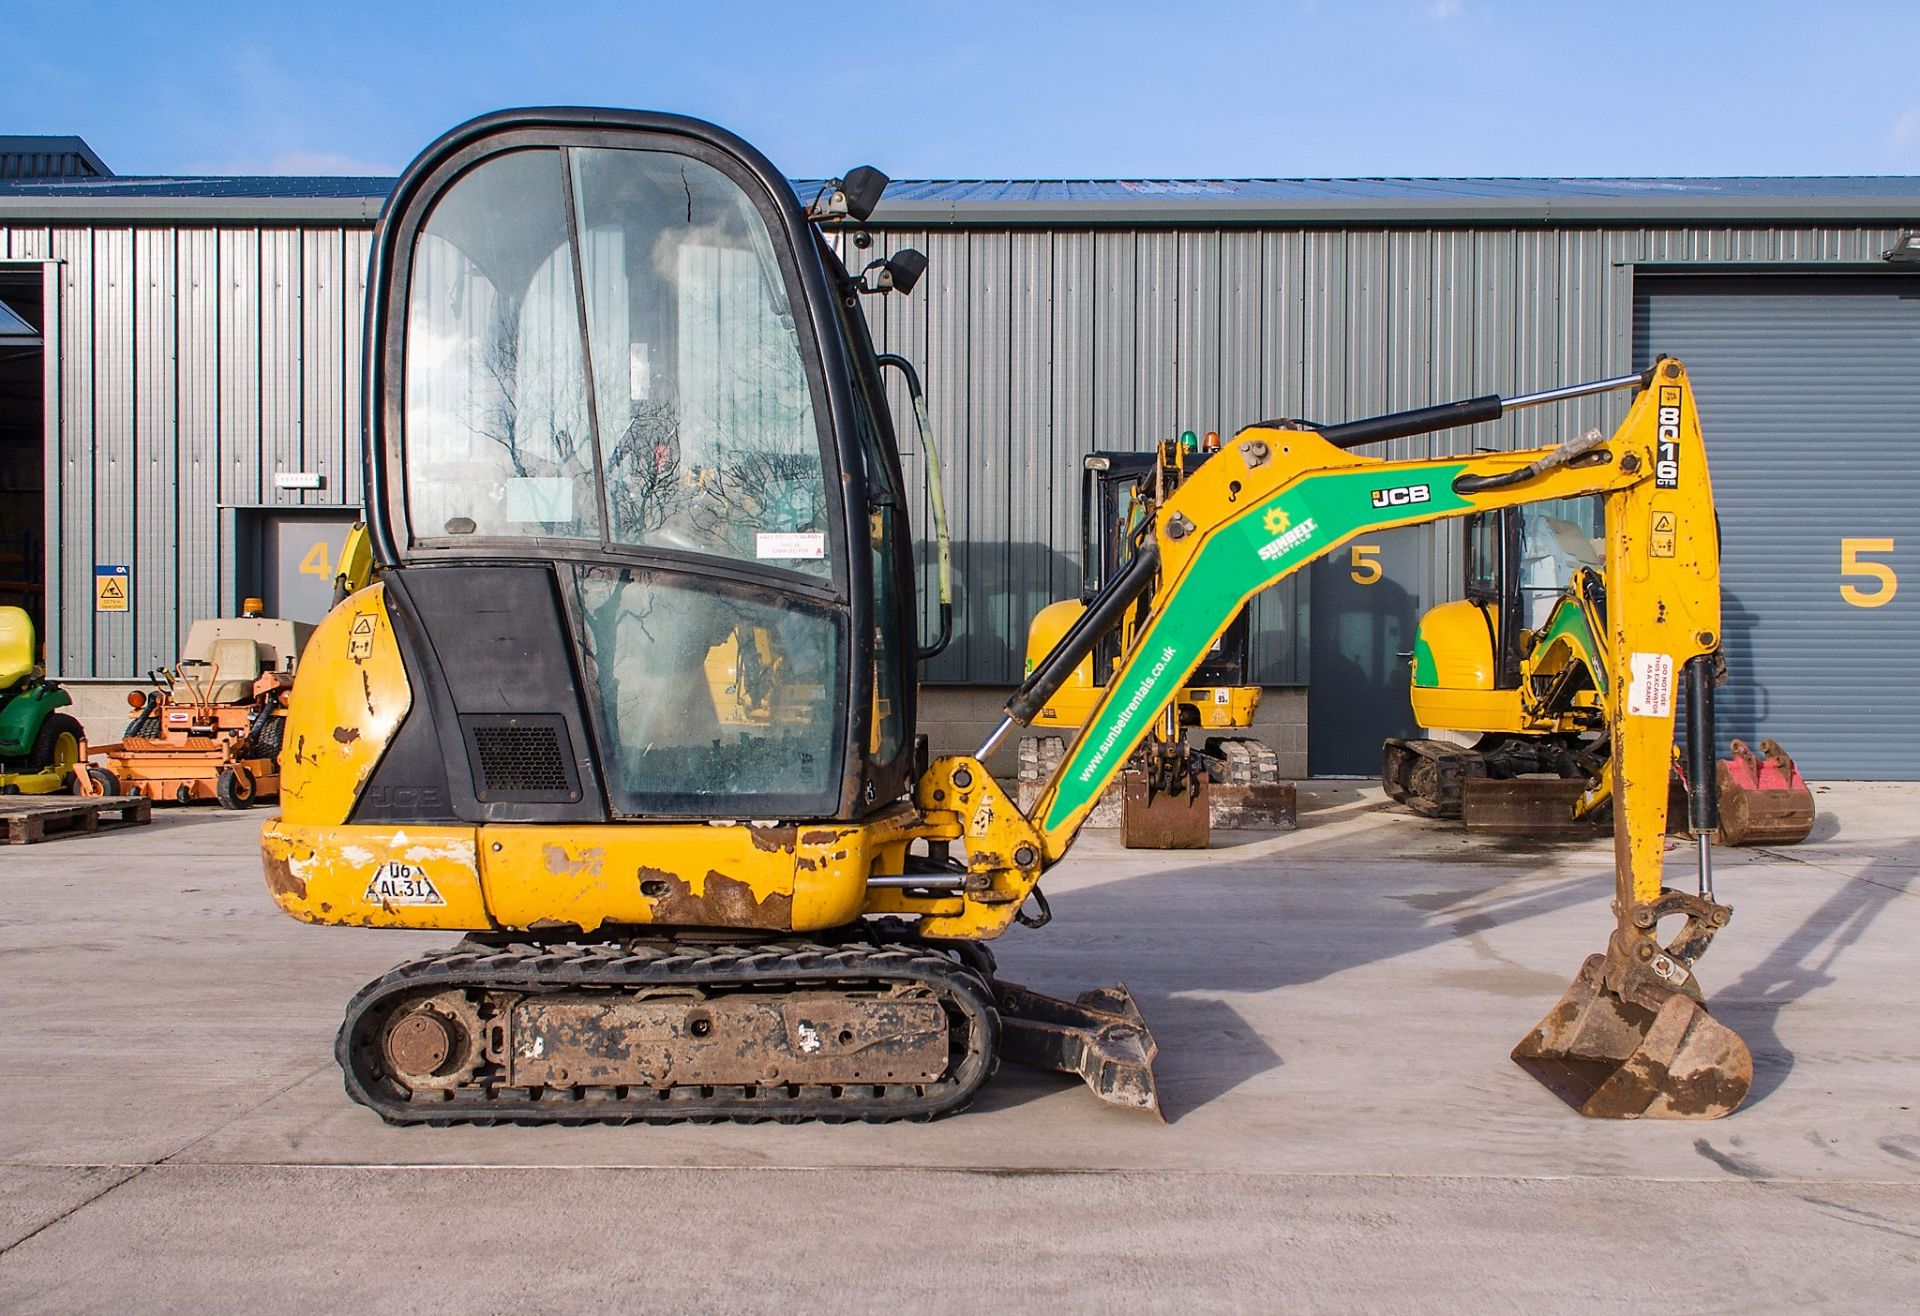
(523, 758)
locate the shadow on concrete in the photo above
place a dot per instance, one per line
(1264, 934)
(1803, 962)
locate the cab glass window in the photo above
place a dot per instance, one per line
(686, 421)
(709, 693)
(707, 424)
(498, 440)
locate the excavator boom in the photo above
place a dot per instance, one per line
(1285, 496)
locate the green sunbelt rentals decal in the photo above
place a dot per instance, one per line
(1271, 540)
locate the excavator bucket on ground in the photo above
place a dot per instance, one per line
(1632, 1039)
(1763, 798)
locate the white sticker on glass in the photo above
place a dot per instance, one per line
(1650, 693)
(540, 498)
(800, 544)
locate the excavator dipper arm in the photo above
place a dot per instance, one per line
(1284, 497)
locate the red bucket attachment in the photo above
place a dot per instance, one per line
(1763, 799)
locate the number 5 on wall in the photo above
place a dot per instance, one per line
(1852, 564)
(1366, 564)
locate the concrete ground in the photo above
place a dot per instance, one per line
(1334, 1009)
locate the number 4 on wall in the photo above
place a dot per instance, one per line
(315, 562)
(1886, 584)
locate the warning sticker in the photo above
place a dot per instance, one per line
(1650, 692)
(798, 545)
(1661, 540)
(112, 587)
(395, 883)
(360, 639)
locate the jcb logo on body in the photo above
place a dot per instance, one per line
(1406, 495)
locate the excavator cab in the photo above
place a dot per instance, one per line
(633, 487)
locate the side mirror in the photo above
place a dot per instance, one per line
(906, 266)
(853, 197)
(895, 273)
(862, 188)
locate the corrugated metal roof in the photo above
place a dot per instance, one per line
(49, 157)
(201, 186)
(1396, 200)
(1210, 201)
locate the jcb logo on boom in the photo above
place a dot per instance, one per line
(1406, 495)
(1666, 460)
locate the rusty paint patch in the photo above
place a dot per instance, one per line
(560, 864)
(346, 735)
(821, 838)
(725, 902)
(775, 839)
(283, 881)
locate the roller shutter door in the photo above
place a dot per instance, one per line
(1809, 391)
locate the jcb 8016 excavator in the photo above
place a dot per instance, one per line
(1511, 683)
(622, 412)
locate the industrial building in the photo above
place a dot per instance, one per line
(179, 401)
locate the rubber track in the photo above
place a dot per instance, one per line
(715, 968)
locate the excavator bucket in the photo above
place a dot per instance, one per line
(1763, 798)
(1102, 1037)
(1645, 1051)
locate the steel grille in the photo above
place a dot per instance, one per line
(521, 758)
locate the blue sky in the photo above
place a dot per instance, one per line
(986, 89)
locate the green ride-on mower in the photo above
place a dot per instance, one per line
(40, 747)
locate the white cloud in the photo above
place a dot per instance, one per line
(1906, 128)
(1442, 10)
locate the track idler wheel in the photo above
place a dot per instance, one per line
(432, 1042)
(1632, 1039)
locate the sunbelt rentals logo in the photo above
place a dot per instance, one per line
(1290, 536)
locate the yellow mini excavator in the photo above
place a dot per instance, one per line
(622, 413)
(1511, 683)
(1173, 792)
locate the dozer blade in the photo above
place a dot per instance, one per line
(1525, 806)
(1102, 1037)
(1763, 799)
(1648, 1051)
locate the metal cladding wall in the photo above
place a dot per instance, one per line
(1809, 390)
(188, 365)
(191, 361)
(1040, 344)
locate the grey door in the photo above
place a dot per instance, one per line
(300, 556)
(1361, 623)
(1809, 392)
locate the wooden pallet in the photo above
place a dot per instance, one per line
(25, 819)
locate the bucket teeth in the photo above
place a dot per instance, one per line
(1647, 1051)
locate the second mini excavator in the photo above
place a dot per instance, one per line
(1172, 792)
(623, 411)
(1511, 683)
